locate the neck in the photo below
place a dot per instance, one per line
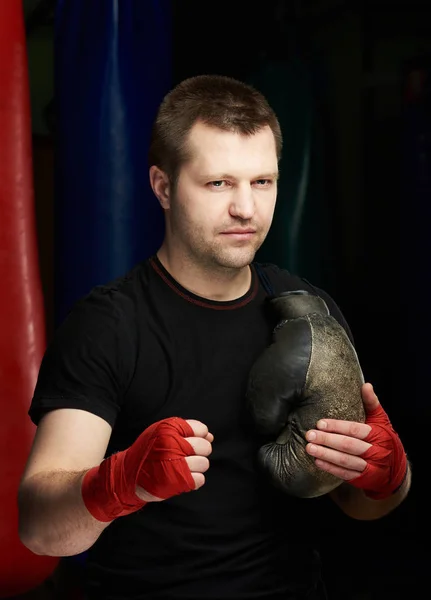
(210, 282)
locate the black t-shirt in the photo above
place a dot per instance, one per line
(141, 349)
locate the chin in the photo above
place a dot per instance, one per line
(238, 261)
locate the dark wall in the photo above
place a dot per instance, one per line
(364, 49)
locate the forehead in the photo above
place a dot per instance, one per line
(213, 150)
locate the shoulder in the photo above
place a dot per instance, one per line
(106, 317)
(116, 300)
(282, 280)
(90, 360)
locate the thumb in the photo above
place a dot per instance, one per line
(369, 398)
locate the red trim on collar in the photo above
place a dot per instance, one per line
(230, 305)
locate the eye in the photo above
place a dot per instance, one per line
(217, 184)
(263, 182)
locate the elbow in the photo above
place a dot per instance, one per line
(363, 516)
(40, 542)
(30, 533)
(40, 546)
(30, 536)
(32, 542)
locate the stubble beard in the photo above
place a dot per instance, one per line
(220, 255)
(215, 256)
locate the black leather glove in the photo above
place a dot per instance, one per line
(309, 372)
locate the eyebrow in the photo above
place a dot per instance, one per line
(220, 176)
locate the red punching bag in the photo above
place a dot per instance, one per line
(22, 324)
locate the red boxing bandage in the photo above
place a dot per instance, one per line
(156, 462)
(386, 460)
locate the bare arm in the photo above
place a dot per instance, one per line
(355, 504)
(53, 519)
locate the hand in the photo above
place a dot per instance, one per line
(338, 445)
(168, 458)
(198, 463)
(369, 455)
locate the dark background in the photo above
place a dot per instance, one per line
(375, 269)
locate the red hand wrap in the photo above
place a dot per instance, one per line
(156, 462)
(386, 460)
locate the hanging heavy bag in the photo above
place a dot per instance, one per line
(310, 371)
(22, 319)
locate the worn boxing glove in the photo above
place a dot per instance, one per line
(310, 371)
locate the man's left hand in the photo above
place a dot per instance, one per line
(368, 455)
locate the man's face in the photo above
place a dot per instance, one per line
(225, 197)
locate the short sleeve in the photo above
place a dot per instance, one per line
(89, 363)
(281, 280)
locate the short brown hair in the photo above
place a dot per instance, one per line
(216, 100)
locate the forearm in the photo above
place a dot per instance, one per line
(53, 519)
(355, 504)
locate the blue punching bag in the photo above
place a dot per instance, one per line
(112, 69)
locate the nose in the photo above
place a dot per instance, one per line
(242, 204)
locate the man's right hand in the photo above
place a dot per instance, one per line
(201, 442)
(167, 459)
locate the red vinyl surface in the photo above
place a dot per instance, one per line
(22, 324)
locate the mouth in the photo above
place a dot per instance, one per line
(239, 234)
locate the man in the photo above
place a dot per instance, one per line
(144, 453)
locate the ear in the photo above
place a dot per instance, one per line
(160, 185)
